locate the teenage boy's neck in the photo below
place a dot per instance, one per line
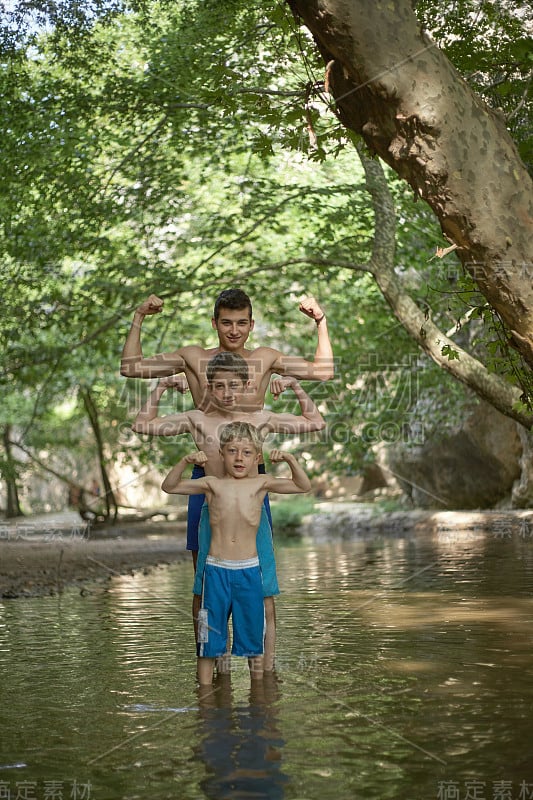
(240, 351)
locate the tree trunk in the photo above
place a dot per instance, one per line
(393, 86)
(9, 473)
(92, 413)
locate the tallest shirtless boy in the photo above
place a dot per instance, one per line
(233, 321)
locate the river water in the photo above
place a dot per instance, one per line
(405, 670)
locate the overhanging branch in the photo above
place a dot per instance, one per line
(419, 326)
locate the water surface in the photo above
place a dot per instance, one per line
(405, 670)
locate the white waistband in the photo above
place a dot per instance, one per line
(227, 564)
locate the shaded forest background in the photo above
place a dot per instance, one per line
(185, 147)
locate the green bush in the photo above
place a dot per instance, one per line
(287, 514)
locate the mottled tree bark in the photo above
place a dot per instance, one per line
(393, 86)
(92, 413)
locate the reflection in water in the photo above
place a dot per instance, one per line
(241, 745)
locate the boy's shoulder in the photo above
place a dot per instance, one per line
(267, 355)
(195, 351)
(197, 415)
(262, 350)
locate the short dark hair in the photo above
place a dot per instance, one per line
(227, 362)
(241, 430)
(234, 299)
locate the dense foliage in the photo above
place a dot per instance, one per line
(181, 148)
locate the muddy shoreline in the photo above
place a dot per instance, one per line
(44, 557)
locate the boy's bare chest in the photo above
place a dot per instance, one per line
(238, 503)
(208, 427)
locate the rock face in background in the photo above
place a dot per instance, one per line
(522, 496)
(354, 487)
(471, 467)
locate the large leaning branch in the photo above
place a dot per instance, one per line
(432, 340)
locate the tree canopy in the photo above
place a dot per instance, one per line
(184, 147)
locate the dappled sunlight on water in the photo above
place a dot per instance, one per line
(404, 666)
(424, 609)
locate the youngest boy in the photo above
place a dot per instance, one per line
(231, 576)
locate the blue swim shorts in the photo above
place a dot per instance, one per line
(264, 546)
(231, 588)
(194, 508)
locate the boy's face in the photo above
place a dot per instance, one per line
(227, 389)
(240, 457)
(233, 327)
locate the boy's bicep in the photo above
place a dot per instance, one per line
(170, 425)
(197, 486)
(294, 366)
(159, 365)
(175, 358)
(281, 486)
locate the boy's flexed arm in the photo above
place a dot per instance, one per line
(133, 364)
(148, 421)
(297, 483)
(310, 420)
(173, 483)
(322, 368)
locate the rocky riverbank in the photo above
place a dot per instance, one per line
(336, 521)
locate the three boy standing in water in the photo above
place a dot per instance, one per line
(230, 389)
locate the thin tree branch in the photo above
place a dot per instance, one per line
(273, 92)
(131, 154)
(47, 468)
(523, 101)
